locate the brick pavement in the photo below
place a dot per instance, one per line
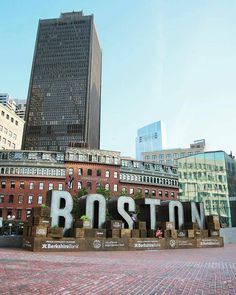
(190, 271)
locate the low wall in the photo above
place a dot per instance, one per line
(229, 235)
(11, 241)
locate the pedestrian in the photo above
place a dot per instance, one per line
(158, 233)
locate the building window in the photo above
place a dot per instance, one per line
(89, 172)
(172, 194)
(99, 172)
(31, 185)
(115, 174)
(107, 186)
(12, 184)
(89, 185)
(131, 191)
(60, 186)
(79, 185)
(28, 213)
(166, 194)
(22, 185)
(50, 186)
(30, 200)
(107, 173)
(3, 184)
(1, 198)
(20, 199)
(41, 185)
(153, 193)
(160, 193)
(71, 171)
(124, 190)
(115, 188)
(18, 213)
(80, 171)
(11, 199)
(146, 193)
(9, 211)
(40, 200)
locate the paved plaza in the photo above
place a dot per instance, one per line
(191, 271)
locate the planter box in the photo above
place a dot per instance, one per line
(167, 225)
(214, 233)
(135, 233)
(182, 234)
(212, 219)
(190, 225)
(46, 221)
(125, 233)
(100, 233)
(214, 226)
(55, 232)
(140, 225)
(113, 233)
(39, 231)
(142, 233)
(89, 233)
(41, 211)
(83, 224)
(191, 233)
(114, 224)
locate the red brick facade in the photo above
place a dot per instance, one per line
(25, 177)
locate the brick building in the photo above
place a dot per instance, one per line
(26, 176)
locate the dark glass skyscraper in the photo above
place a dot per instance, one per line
(64, 98)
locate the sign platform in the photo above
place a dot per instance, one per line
(117, 244)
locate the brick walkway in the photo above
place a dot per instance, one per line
(192, 271)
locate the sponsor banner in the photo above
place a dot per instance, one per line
(146, 244)
(187, 243)
(60, 245)
(210, 242)
(113, 244)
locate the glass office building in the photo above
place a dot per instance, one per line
(150, 138)
(210, 178)
(64, 99)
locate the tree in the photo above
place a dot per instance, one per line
(106, 193)
(80, 193)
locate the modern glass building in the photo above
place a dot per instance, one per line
(150, 138)
(210, 178)
(64, 98)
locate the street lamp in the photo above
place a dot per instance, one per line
(10, 218)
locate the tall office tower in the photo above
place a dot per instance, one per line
(20, 107)
(150, 138)
(7, 101)
(64, 99)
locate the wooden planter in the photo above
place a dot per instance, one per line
(55, 232)
(83, 224)
(41, 211)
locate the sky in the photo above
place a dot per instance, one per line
(170, 60)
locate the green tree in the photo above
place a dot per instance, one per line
(80, 193)
(106, 193)
(138, 195)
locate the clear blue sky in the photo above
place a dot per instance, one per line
(162, 59)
